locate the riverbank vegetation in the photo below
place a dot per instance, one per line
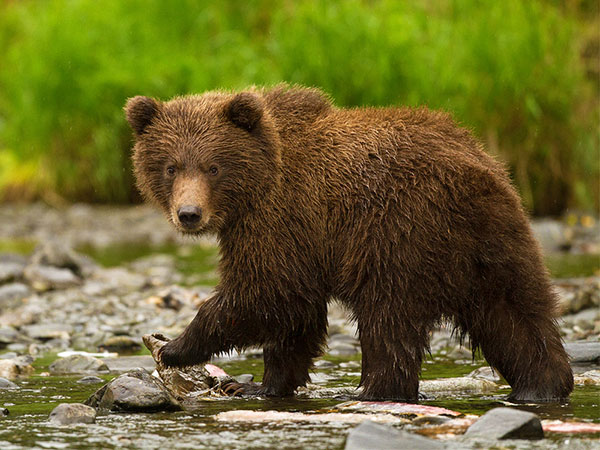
(522, 75)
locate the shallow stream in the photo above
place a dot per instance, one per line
(27, 426)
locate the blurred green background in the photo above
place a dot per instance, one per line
(523, 74)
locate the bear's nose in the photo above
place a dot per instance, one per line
(189, 215)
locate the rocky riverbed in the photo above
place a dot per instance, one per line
(79, 287)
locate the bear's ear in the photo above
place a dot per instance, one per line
(140, 111)
(244, 110)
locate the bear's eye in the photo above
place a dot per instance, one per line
(171, 170)
(213, 170)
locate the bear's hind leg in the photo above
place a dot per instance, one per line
(526, 348)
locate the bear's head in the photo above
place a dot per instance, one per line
(204, 159)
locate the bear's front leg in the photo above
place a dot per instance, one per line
(202, 338)
(287, 362)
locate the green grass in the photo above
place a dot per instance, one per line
(511, 70)
(566, 265)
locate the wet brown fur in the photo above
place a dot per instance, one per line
(396, 212)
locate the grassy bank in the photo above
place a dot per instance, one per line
(516, 72)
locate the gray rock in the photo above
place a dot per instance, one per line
(15, 258)
(3, 412)
(174, 297)
(14, 368)
(57, 254)
(47, 331)
(589, 378)
(587, 315)
(507, 423)
(18, 347)
(127, 363)
(10, 271)
(350, 365)
(6, 384)
(244, 378)
(8, 336)
(90, 380)
(459, 352)
(44, 278)
(13, 291)
(346, 338)
(319, 378)
(551, 234)
(576, 294)
(339, 348)
(374, 436)
(324, 364)
(69, 413)
(135, 391)
(459, 384)
(430, 420)
(586, 351)
(9, 355)
(77, 364)
(51, 346)
(485, 373)
(118, 279)
(121, 344)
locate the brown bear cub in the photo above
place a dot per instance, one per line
(395, 212)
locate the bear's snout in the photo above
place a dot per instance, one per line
(189, 216)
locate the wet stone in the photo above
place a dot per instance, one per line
(119, 279)
(430, 420)
(576, 294)
(460, 353)
(15, 258)
(341, 337)
(583, 351)
(44, 278)
(337, 348)
(77, 364)
(57, 254)
(174, 297)
(324, 364)
(13, 291)
(460, 384)
(53, 345)
(121, 344)
(396, 408)
(48, 331)
(70, 413)
(507, 423)
(374, 436)
(127, 363)
(350, 365)
(18, 347)
(244, 378)
(8, 336)
(134, 391)
(485, 373)
(15, 368)
(6, 384)
(275, 417)
(589, 378)
(319, 378)
(91, 379)
(10, 271)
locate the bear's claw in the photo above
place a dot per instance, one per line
(233, 388)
